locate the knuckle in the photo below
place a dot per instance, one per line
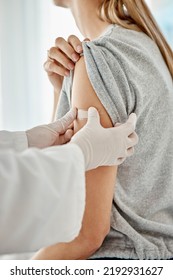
(71, 38)
(46, 66)
(59, 41)
(60, 71)
(52, 51)
(49, 66)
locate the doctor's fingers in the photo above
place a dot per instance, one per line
(64, 138)
(127, 129)
(130, 125)
(62, 125)
(130, 152)
(132, 140)
(120, 161)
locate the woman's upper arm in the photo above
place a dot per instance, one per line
(99, 182)
(83, 94)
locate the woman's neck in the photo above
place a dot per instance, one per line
(87, 19)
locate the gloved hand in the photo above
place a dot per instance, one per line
(56, 133)
(105, 146)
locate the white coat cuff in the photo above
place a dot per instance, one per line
(20, 141)
(13, 140)
(79, 153)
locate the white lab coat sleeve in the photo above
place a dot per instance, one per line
(42, 197)
(14, 140)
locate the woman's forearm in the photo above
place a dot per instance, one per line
(78, 249)
(55, 102)
(96, 220)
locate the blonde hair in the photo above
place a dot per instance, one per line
(135, 15)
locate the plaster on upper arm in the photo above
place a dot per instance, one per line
(82, 114)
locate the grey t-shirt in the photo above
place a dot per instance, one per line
(128, 74)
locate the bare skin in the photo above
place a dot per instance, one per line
(63, 56)
(100, 182)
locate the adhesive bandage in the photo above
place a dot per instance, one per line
(82, 114)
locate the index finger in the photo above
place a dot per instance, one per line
(67, 48)
(75, 43)
(63, 124)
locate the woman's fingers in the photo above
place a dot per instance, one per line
(61, 59)
(51, 68)
(67, 49)
(75, 43)
(132, 140)
(72, 48)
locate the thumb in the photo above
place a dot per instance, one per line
(66, 137)
(93, 116)
(62, 124)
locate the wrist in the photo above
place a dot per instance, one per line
(86, 151)
(27, 137)
(79, 151)
(20, 141)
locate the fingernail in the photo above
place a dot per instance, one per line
(79, 49)
(86, 40)
(71, 66)
(67, 73)
(75, 57)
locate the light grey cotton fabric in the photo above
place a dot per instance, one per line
(128, 73)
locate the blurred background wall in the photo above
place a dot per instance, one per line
(27, 29)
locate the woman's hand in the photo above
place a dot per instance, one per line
(61, 59)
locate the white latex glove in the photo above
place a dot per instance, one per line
(56, 133)
(105, 146)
